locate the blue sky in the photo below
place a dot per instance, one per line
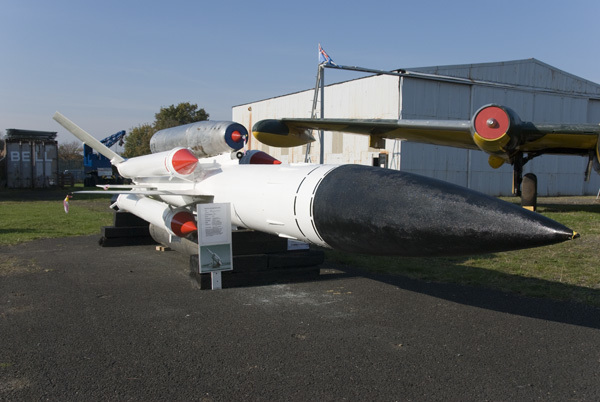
(110, 65)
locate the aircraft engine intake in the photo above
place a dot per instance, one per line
(204, 138)
(496, 131)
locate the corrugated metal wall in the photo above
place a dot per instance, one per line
(536, 91)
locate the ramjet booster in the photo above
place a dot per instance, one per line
(351, 208)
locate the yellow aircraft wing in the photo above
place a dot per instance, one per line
(280, 133)
(494, 129)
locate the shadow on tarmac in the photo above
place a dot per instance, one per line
(511, 303)
(541, 308)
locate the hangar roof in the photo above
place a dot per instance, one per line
(526, 73)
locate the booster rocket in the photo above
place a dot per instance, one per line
(350, 208)
(176, 221)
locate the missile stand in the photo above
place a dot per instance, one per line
(258, 258)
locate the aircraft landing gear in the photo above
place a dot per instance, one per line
(529, 192)
(524, 186)
(517, 174)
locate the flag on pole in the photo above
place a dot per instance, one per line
(324, 57)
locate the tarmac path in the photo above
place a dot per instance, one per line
(82, 322)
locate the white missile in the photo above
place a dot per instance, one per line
(178, 162)
(177, 221)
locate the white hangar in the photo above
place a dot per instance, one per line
(536, 91)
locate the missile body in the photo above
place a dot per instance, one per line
(177, 221)
(178, 162)
(204, 138)
(182, 245)
(377, 211)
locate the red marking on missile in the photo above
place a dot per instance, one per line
(183, 223)
(492, 123)
(263, 158)
(184, 161)
(236, 136)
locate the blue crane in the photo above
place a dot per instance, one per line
(97, 168)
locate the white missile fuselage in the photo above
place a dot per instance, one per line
(275, 199)
(280, 202)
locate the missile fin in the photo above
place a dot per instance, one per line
(87, 138)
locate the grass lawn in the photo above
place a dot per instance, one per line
(27, 215)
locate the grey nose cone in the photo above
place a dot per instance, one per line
(378, 211)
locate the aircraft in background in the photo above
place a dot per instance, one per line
(494, 129)
(352, 208)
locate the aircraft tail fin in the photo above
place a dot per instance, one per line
(87, 138)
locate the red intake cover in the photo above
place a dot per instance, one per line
(184, 161)
(492, 123)
(183, 223)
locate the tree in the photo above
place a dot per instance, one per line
(70, 151)
(184, 113)
(137, 141)
(70, 155)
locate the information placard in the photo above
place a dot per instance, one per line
(214, 237)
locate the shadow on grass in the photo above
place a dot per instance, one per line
(16, 231)
(49, 194)
(492, 290)
(592, 208)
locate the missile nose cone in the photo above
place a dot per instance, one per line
(385, 212)
(188, 227)
(256, 157)
(183, 223)
(236, 136)
(184, 161)
(263, 158)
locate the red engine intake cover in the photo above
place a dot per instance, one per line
(492, 122)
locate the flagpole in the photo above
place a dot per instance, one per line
(321, 133)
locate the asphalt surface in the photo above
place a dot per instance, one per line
(81, 322)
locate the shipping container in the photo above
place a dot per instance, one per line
(31, 159)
